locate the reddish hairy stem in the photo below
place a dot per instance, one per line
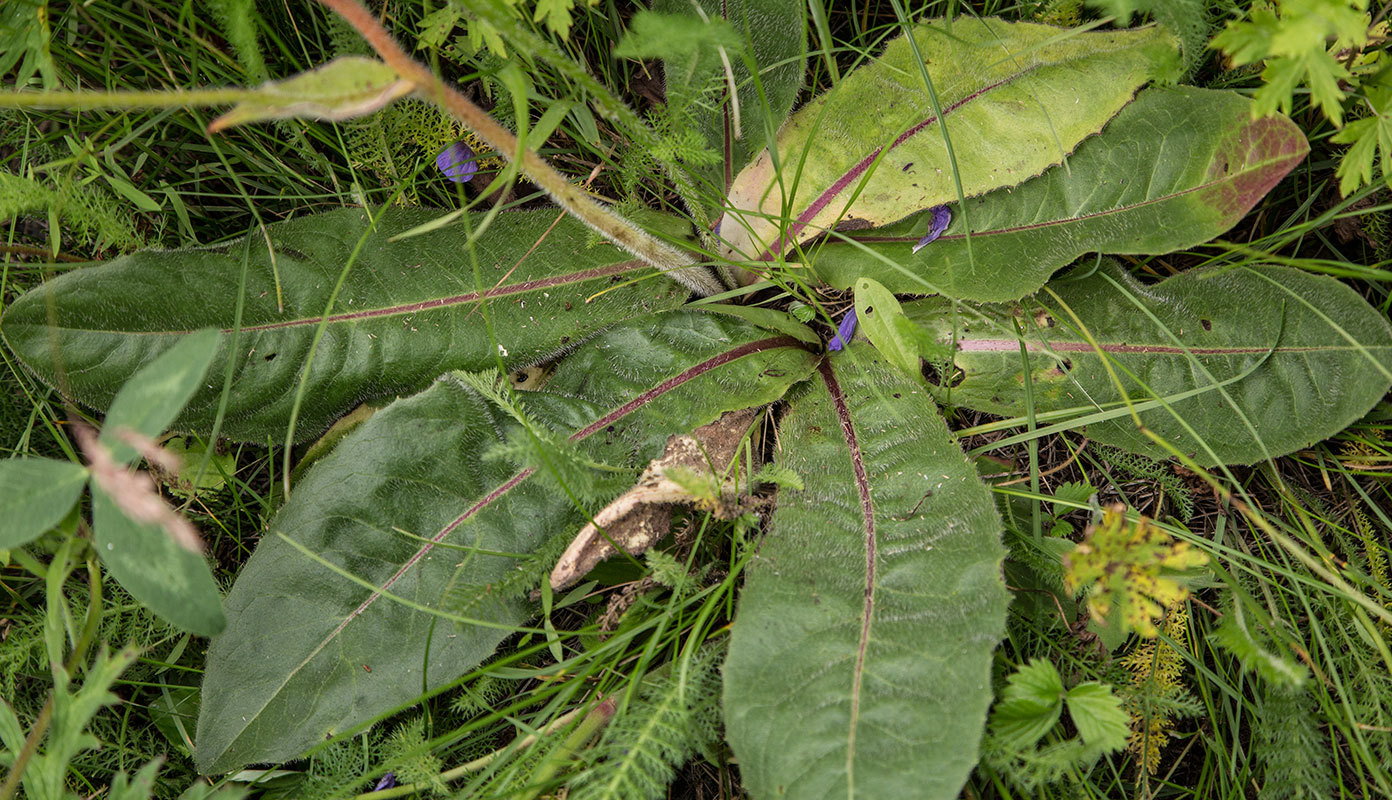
(570, 197)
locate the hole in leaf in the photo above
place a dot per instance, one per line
(270, 356)
(1207, 325)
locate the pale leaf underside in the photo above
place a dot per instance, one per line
(1016, 98)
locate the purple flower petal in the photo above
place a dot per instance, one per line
(458, 162)
(844, 332)
(942, 217)
(388, 782)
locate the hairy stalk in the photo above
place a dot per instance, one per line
(569, 196)
(608, 105)
(84, 101)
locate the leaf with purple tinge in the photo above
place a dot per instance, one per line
(1175, 168)
(871, 150)
(1252, 363)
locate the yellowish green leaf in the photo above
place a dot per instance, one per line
(346, 87)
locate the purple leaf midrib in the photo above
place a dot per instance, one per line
(459, 299)
(1071, 220)
(689, 374)
(1013, 346)
(862, 482)
(859, 168)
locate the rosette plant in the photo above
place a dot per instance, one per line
(944, 186)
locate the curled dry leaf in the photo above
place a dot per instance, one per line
(134, 493)
(642, 515)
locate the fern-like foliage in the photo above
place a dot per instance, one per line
(92, 215)
(555, 458)
(238, 20)
(1294, 753)
(408, 754)
(464, 598)
(672, 719)
(1253, 650)
(1158, 472)
(337, 771)
(1156, 696)
(479, 695)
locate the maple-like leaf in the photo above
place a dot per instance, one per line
(1367, 137)
(1126, 563)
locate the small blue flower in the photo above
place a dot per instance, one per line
(459, 162)
(942, 217)
(389, 780)
(844, 332)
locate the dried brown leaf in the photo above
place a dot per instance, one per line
(643, 515)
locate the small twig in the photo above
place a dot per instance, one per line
(40, 252)
(572, 198)
(1052, 470)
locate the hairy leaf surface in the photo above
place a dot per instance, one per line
(163, 575)
(1176, 168)
(1253, 363)
(153, 397)
(859, 663)
(698, 85)
(407, 311)
(309, 653)
(1015, 98)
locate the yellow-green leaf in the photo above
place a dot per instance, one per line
(346, 87)
(1016, 98)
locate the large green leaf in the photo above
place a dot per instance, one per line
(859, 663)
(698, 83)
(1251, 362)
(293, 666)
(1016, 97)
(1175, 168)
(407, 311)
